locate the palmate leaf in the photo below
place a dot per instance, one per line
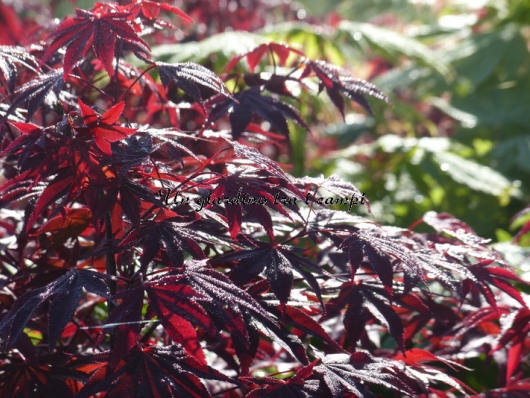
(361, 301)
(337, 80)
(104, 128)
(487, 277)
(65, 293)
(254, 191)
(297, 386)
(151, 9)
(44, 88)
(10, 56)
(277, 263)
(189, 76)
(256, 54)
(154, 372)
(175, 304)
(342, 372)
(425, 375)
(250, 102)
(167, 231)
(50, 375)
(98, 29)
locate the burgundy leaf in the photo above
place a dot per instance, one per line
(11, 56)
(249, 102)
(158, 371)
(189, 76)
(65, 293)
(44, 88)
(337, 80)
(349, 373)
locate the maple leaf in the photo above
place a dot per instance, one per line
(244, 317)
(11, 56)
(159, 371)
(342, 372)
(176, 305)
(297, 386)
(249, 102)
(277, 263)
(337, 80)
(255, 55)
(167, 232)
(485, 277)
(254, 191)
(151, 9)
(50, 375)
(65, 293)
(100, 30)
(363, 300)
(44, 88)
(103, 128)
(188, 76)
(424, 375)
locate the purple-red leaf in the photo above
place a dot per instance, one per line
(249, 102)
(158, 371)
(189, 76)
(65, 293)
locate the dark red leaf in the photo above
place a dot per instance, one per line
(155, 372)
(65, 293)
(44, 88)
(251, 101)
(189, 76)
(337, 80)
(10, 56)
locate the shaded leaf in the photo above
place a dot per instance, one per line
(65, 293)
(189, 76)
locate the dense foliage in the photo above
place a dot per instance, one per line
(152, 244)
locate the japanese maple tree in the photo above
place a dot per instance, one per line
(150, 248)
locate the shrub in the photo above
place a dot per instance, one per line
(150, 248)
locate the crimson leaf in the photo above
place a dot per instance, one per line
(100, 30)
(362, 300)
(255, 55)
(103, 128)
(277, 264)
(242, 317)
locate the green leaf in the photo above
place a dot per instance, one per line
(475, 176)
(394, 45)
(226, 44)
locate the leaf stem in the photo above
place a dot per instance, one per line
(118, 55)
(111, 270)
